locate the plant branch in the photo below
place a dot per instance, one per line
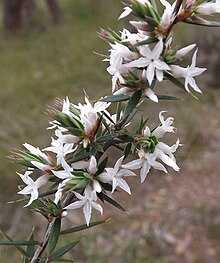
(46, 237)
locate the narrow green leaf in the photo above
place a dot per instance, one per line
(103, 197)
(166, 97)
(127, 150)
(153, 2)
(106, 186)
(115, 98)
(63, 260)
(202, 22)
(131, 116)
(75, 131)
(132, 103)
(118, 111)
(21, 250)
(81, 185)
(81, 227)
(104, 138)
(142, 125)
(175, 81)
(147, 41)
(102, 165)
(30, 249)
(63, 250)
(79, 156)
(18, 243)
(126, 138)
(54, 235)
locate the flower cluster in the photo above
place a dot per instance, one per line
(77, 160)
(138, 60)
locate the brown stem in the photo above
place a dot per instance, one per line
(39, 251)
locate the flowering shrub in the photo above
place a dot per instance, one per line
(75, 172)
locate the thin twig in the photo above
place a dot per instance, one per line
(46, 237)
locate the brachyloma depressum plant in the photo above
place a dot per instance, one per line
(75, 172)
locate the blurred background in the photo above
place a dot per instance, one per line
(47, 51)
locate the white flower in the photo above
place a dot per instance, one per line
(126, 12)
(43, 167)
(88, 108)
(36, 151)
(61, 149)
(165, 153)
(151, 60)
(63, 174)
(167, 16)
(59, 191)
(133, 38)
(146, 92)
(91, 168)
(161, 150)
(188, 73)
(87, 201)
(116, 68)
(145, 162)
(32, 187)
(208, 8)
(66, 106)
(184, 51)
(114, 175)
(164, 127)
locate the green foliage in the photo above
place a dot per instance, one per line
(81, 227)
(54, 235)
(63, 250)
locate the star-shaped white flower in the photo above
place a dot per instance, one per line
(116, 68)
(61, 149)
(145, 162)
(114, 175)
(32, 187)
(161, 151)
(188, 73)
(91, 169)
(87, 201)
(166, 126)
(151, 60)
(88, 107)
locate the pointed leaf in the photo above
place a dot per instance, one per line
(202, 22)
(30, 249)
(104, 138)
(63, 250)
(132, 103)
(147, 41)
(102, 165)
(115, 98)
(18, 243)
(63, 260)
(127, 150)
(81, 185)
(103, 197)
(54, 235)
(81, 227)
(166, 97)
(17, 246)
(175, 81)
